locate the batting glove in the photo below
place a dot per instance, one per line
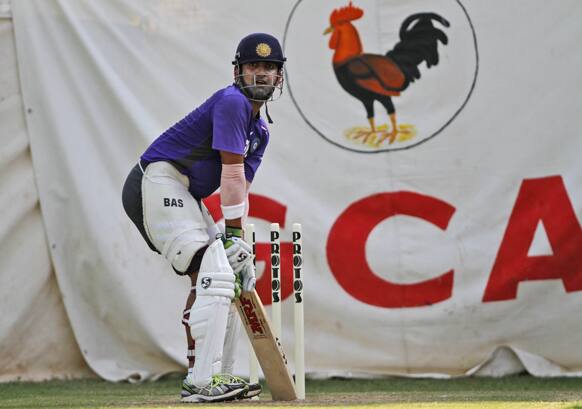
(248, 277)
(237, 250)
(237, 287)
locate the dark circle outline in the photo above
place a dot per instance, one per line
(286, 73)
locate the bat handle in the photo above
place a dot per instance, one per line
(211, 226)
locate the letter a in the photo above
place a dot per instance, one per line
(546, 200)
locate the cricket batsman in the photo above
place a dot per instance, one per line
(220, 144)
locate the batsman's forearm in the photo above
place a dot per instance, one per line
(233, 223)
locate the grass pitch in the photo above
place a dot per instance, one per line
(514, 392)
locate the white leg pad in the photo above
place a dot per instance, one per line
(233, 327)
(209, 314)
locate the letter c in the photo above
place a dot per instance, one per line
(346, 250)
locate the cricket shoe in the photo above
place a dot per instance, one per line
(253, 389)
(219, 389)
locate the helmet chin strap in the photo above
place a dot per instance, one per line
(267, 113)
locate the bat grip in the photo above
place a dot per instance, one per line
(211, 227)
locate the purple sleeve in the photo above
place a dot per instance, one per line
(230, 120)
(253, 160)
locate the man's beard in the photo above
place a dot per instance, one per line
(259, 91)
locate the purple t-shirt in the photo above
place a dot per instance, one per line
(224, 122)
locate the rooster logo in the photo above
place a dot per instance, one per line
(374, 77)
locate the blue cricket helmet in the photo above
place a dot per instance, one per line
(259, 47)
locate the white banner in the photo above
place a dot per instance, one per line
(35, 336)
(441, 238)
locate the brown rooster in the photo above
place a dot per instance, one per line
(374, 77)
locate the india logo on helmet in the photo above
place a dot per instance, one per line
(263, 50)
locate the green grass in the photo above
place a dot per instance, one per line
(515, 392)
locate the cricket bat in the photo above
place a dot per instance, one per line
(267, 348)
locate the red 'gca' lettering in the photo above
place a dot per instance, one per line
(264, 208)
(346, 252)
(538, 200)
